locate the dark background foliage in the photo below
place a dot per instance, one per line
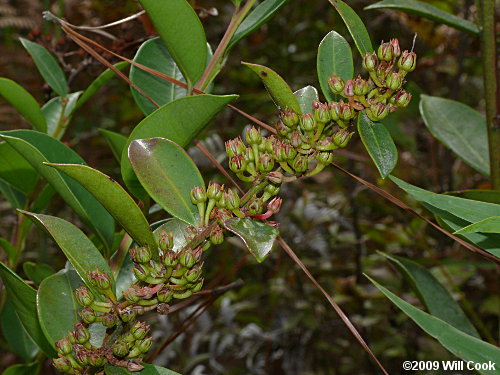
(277, 322)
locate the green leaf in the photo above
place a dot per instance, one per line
(168, 174)
(379, 144)
(80, 251)
(38, 148)
(182, 32)
(15, 334)
(334, 57)
(432, 294)
(56, 304)
(355, 26)
(116, 142)
(179, 121)
(114, 199)
(13, 196)
(148, 370)
(179, 231)
(457, 342)
(426, 10)
(23, 299)
(458, 127)
(99, 82)
(489, 225)
(155, 55)
(15, 170)
(9, 249)
(276, 86)
(58, 115)
(23, 102)
(259, 16)
(257, 236)
(47, 66)
(305, 96)
(28, 369)
(483, 195)
(37, 272)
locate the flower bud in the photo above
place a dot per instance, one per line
(377, 111)
(235, 147)
(96, 360)
(84, 296)
(166, 241)
(216, 236)
(346, 111)
(62, 364)
(169, 258)
(272, 190)
(370, 62)
(290, 118)
(198, 286)
(164, 295)
(198, 195)
(289, 151)
(139, 330)
(394, 81)
(267, 144)
(300, 163)
(349, 88)
(275, 177)
(134, 367)
(120, 349)
(144, 345)
(238, 164)
(80, 333)
(255, 206)
(128, 314)
(214, 191)
(253, 136)
(249, 156)
(232, 199)
(325, 157)
(63, 346)
(282, 129)
(334, 109)
(194, 273)
(296, 140)
(98, 279)
(384, 52)
(402, 98)
(88, 315)
(221, 203)
(81, 355)
(342, 137)
(140, 273)
(360, 87)
(307, 123)
(383, 70)
(187, 258)
(396, 50)
(163, 308)
(265, 163)
(408, 61)
(274, 205)
(321, 113)
(132, 294)
(109, 320)
(140, 254)
(279, 151)
(336, 84)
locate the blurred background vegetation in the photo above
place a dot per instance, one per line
(277, 322)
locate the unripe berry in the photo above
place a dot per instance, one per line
(300, 163)
(88, 315)
(385, 52)
(265, 163)
(144, 345)
(237, 164)
(140, 254)
(214, 191)
(98, 279)
(232, 199)
(169, 258)
(84, 296)
(334, 108)
(370, 62)
(290, 118)
(324, 157)
(253, 136)
(394, 81)
(402, 98)
(408, 61)
(80, 333)
(336, 84)
(166, 241)
(62, 364)
(346, 111)
(321, 113)
(377, 111)
(120, 349)
(139, 330)
(198, 195)
(342, 137)
(307, 123)
(360, 87)
(63, 346)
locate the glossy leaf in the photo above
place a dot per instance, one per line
(432, 294)
(115, 199)
(305, 96)
(489, 225)
(258, 236)
(148, 370)
(80, 251)
(12, 195)
(457, 342)
(58, 115)
(37, 272)
(168, 174)
(179, 232)
(458, 127)
(23, 102)
(56, 304)
(259, 16)
(23, 298)
(99, 82)
(483, 195)
(355, 26)
(334, 57)
(276, 86)
(15, 170)
(182, 32)
(116, 142)
(125, 277)
(179, 121)
(426, 10)
(27, 369)
(38, 148)
(15, 334)
(379, 144)
(47, 66)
